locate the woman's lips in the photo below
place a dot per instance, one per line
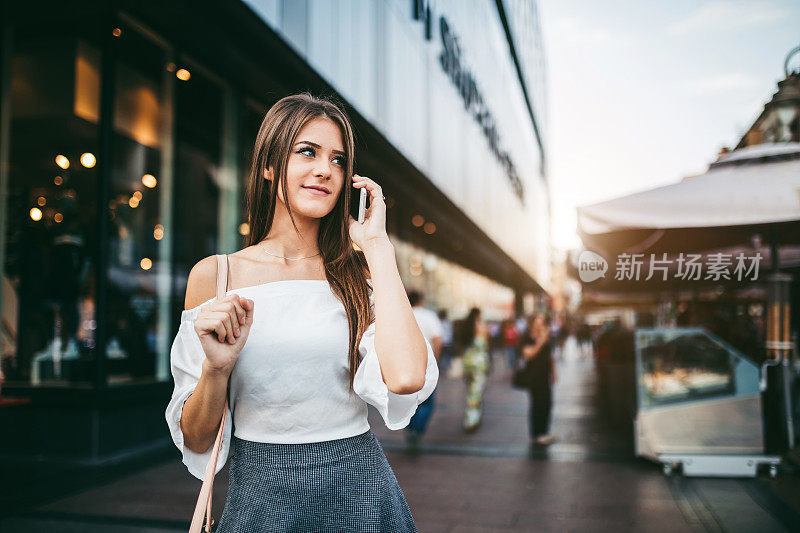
(316, 192)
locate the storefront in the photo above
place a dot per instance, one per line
(721, 251)
(125, 137)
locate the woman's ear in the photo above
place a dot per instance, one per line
(268, 174)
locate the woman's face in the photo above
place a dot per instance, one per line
(316, 160)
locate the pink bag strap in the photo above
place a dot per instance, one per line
(204, 499)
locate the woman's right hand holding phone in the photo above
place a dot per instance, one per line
(223, 328)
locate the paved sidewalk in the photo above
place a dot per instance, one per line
(489, 481)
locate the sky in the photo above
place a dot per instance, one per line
(642, 93)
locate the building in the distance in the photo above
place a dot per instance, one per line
(126, 130)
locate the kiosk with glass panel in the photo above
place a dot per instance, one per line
(698, 404)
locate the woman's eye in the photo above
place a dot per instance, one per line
(339, 161)
(304, 150)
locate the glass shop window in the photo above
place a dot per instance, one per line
(138, 259)
(199, 179)
(48, 277)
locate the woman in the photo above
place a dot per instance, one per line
(300, 342)
(510, 342)
(536, 348)
(475, 364)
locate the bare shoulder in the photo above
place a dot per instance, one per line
(202, 282)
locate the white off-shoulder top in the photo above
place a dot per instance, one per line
(291, 381)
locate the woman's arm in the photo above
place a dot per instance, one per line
(399, 343)
(202, 411)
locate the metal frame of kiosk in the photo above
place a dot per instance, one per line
(698, 405)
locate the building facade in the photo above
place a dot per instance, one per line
(126, 131)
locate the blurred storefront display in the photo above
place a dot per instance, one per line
(699, 404)
(740, 217)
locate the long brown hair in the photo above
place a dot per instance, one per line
(345, 269)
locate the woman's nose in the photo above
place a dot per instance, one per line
(323, 171)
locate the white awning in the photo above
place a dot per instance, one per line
(754, 185)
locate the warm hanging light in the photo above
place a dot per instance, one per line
(41, 200)
(244, 228)
(149, 181)
(36, 213)
(116, 32)
(418, 220)
(158, 232)
(133, 202)
(88, 160)
(146, 263)
(58, 217)
(183, 74)
(138, 196)
(62, 161)
(58, 180)
(430, 228)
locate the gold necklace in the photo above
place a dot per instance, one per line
(289, 258)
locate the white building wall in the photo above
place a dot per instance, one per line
(376, 56)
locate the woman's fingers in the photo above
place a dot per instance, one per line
(374, 190)
(236, 301)
(225, 319)
(209, 323)
(249, 306)
(233, 314)
(247, 309)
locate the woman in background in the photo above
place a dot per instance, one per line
(536, 348)
(510, 342)
(475, 366)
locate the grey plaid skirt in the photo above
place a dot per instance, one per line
(337, 485)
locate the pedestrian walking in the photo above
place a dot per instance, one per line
(447, 340)
(510, 342)
(431, 329)
(585, 345)
(475, 365)
(289, 356)
(536, 348)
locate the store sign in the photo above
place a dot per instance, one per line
(450, 60)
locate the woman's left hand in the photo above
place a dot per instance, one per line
(373, 228)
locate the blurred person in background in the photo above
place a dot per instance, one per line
(475, 364)
(495, 341)
(536, 348)
(555, 330)
(447, 340)
(521, 323)
(559, 337)
(431, 329)
(585, 344)
(510, 341)
(605, 345)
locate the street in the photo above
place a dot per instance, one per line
(489, 481)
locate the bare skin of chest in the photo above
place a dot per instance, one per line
(251, 266)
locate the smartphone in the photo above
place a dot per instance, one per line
(358, 203)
